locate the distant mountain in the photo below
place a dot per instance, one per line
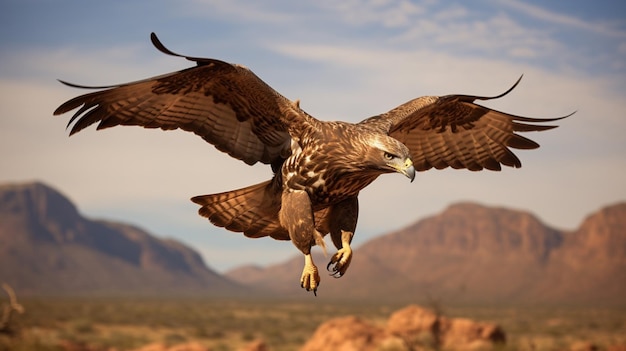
(477, 254)
(47, 247)
(467, 254)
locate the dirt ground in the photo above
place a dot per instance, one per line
(130, 323)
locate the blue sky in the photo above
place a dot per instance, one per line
(345, 60)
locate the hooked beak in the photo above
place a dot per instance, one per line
(408, 169)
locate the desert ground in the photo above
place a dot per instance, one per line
(230, 324)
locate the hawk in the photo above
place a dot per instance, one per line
(319, 166)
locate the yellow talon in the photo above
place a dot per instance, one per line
(341, 261)
(310, 279)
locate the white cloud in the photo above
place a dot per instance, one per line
(482, 36)
(388, 13)
(260, 12)
(454, 12)
(563, 19)
(523, 52)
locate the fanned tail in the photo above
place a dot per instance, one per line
(252, 210)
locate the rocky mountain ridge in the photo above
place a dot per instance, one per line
(477, 254)
(469, 253)
(47, 246)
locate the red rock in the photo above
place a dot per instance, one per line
(423, 327)
(346, 334)
(411, 328)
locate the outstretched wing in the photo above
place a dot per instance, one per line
(225, 104)
(453, 131)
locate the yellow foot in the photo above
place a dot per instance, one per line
(310, 279)
(340, 261)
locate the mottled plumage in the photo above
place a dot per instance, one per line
(319, 167)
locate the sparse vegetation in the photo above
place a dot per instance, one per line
(284, 325)
(7, 310)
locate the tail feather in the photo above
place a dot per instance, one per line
(252, 210)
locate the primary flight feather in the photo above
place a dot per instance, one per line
(319, 167)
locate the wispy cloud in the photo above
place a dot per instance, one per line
(242, 10)
(388, 13)
(452, 28)
(563, 19)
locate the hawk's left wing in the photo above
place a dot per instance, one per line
(453, 131)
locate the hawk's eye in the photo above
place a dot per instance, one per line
(389, 156)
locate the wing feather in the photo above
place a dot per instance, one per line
(227, 105)
(453, 131)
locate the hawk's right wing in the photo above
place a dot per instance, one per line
(225, 104)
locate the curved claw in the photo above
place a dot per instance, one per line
(334, 271)
(340, 262)
(309, 289)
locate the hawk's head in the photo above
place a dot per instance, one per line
(388, 155)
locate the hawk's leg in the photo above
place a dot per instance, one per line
(296, 215)
(342, 223)
(340, 261)
(310, 278)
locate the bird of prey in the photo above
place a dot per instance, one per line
(319, 166)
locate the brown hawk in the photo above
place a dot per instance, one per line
(319, 167)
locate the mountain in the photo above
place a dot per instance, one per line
(476, 254)
(47, 247)
(591, 264)
(469, 253)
